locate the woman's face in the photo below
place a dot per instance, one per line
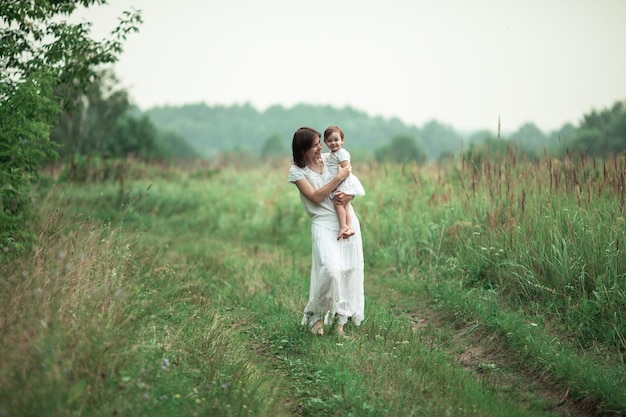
(315, 151)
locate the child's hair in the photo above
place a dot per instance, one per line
(329, 131)
(302, 142)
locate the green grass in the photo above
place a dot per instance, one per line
(182, 293)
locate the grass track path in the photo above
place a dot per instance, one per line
(407, 348)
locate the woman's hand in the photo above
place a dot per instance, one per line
(344, 172)
(342, 198)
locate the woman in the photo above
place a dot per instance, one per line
(336, 287)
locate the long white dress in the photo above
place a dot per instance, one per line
(337, 273)
(351, 185)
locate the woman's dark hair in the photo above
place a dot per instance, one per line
(302, 142)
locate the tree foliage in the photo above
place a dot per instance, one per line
(100, 121)
(530, 138)
(90, 116)
(43, 59)
(600, 132)
(402, 149)
(25, 116)
(213, 130)
(486, 147)
(440, 139)
(274, 145)
(175, 146)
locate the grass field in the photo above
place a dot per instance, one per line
(492, 289)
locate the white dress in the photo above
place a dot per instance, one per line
(337, 272)
(351, 185)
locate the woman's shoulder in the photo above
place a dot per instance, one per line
(295, 173)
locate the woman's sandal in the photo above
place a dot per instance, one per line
(318, 328)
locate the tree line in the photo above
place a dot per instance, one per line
(240, 128)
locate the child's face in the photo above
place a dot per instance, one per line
(334, 141)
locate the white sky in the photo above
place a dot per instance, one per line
(461, 62)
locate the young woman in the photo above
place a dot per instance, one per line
(336, 287)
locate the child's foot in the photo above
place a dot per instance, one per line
(345, 233)
(340, 332)
(318, 328)
(342, 231)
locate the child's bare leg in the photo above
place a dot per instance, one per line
(341, 216)
(349, 220)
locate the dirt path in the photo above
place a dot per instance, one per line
(486, 357)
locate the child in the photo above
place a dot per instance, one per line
(333, 138)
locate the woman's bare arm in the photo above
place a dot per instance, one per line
(317, 196)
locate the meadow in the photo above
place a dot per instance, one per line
(493, 288)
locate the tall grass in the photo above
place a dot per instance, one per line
(547, 235)
(94, 323)
(181, 293)
(541, 238)
(549, 239)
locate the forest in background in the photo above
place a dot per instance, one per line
(212, 130)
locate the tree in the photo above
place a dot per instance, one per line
(530, 138)
(25, 116)
(100, 121)
(273, 145)
(134, 136)
(442, 139)
(43, 59)
(175, 146)
(489, 148)
(402, 149)
(600, 133)
(90, 117)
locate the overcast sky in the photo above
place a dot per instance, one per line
(465, 63)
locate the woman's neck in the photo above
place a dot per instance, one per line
(315, 164)
(313, 161)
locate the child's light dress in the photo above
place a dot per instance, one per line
(351, 185)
